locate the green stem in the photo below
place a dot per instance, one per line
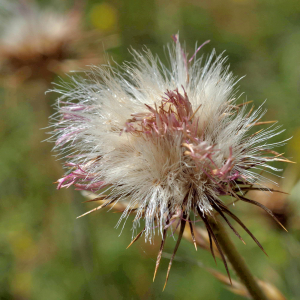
(237, 261)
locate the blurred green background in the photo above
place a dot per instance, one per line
(46, 254)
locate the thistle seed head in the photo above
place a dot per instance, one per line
(36, 39)
(168, 141)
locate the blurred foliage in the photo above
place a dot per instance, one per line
(45, 253)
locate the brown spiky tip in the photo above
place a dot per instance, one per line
(220, 208)
(181, 221)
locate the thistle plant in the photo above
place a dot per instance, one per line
(38, 42)
(35, 38)
(167, 141)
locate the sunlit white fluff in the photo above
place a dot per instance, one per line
(162, 171)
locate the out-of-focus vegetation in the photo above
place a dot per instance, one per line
(45, 253)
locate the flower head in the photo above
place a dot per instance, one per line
(36, 38)
(167, 141)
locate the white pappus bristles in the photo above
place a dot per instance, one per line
(169, 141)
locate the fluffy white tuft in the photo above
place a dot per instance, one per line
(124, 134)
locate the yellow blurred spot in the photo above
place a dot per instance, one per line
(103, 16)
(23, 246)
(294, 145)
(21, 284)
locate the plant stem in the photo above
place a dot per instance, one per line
(237, 261)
